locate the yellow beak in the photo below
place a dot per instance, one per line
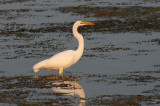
(87, 23)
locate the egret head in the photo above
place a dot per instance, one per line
(80, 23)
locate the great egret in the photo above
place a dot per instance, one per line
(67, 58)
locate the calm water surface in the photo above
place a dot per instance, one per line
(120, 64)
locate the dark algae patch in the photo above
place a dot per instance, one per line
(137, 77)
(110, 11)
(156, 41)
(123, 100)
(33, 81)
(14, 1)
(111, 19)
(119, 19)
(32, 89)
(29, 90)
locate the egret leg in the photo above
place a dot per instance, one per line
(60, 70)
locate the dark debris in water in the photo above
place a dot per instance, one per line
(120, 12)
(27, 86)
(114, 20)
(107, 20)
(119, 19)
(104, 26)
(13, 1)
(138, 77)
(45, 29)
(21, 90)
(156, 41)
(108, 48)
(20, 98)
(124, 100)
(33, 81)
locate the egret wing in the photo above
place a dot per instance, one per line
(62, 59)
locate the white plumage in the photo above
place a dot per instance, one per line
(67, 58)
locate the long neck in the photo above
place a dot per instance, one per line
(80, 40)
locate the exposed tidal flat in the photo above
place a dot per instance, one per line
(120, 64)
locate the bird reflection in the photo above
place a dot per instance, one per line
(71, 88)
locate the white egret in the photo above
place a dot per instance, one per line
(66, 58)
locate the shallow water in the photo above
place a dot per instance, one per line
(120, 64)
